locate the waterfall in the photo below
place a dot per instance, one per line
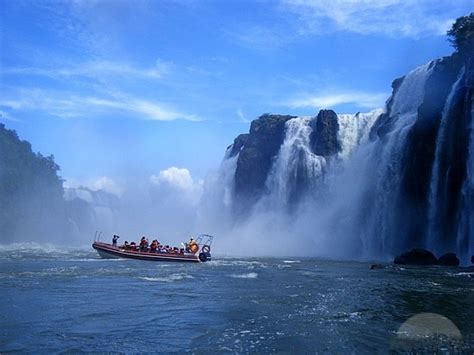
(433, 222)
(217, 202)
(296, 168)
(354, 130)
(365, 199)
(410, 94)
(465, 238)
(365, 195)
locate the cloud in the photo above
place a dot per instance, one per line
(406, 18)
(321, 101)
(6, 116)
(95, 69)
(179, 183)
(66, 105)
(173, 176)
(240, 114)
(104, 183)
(259, 37)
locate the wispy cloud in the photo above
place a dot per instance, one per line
(241, 116)
(407, 18)
(66, 105)
(94, 69)
(6, 116)
(364, 100)
(260, 37)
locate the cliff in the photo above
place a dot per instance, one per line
(31, 193)
(415, 177)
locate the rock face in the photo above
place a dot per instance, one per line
(416, 256)
(323, 138)
(449, 259)
(237, 146)
(257, 150)
(34, 205)
(416, 180)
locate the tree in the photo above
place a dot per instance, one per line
(461, 34)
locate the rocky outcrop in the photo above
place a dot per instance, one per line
(323, 138)
(258, 149)
(383, 125)
(448, 259)
(238, 145)
(416, 256)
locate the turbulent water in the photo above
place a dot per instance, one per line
(70, 300)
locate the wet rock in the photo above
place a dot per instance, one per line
(323, 139)
(238, 145)
(449, 259)
(257, 151)
(416, 256)
(376, 266)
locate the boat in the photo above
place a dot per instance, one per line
(200, 254)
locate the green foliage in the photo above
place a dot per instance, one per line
(461, 34)
(31, 193)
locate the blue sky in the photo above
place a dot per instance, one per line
(126, 89)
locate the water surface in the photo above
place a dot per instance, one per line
(55, 300)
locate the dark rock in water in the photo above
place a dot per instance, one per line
(472, 259)
(376, 266)
(449, 259)
(238, 145)
(259, 148)
(416, 256)
(323, 139)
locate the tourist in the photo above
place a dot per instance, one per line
(114, 240)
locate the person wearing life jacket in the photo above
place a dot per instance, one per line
(154, 246)
(191, 246)
(143, 244)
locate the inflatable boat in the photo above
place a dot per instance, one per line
(200, 255)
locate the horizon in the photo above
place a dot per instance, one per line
(121, 92)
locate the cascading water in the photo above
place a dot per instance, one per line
(373, 203)
(435, 188)
(216, 204)
(365, 195)
(296, 168)
(465, 238)
(354, 130)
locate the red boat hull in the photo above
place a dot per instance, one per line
(110, 252)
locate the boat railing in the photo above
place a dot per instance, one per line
(97, 236)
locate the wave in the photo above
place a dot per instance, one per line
(250, 275)
(169, 278)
